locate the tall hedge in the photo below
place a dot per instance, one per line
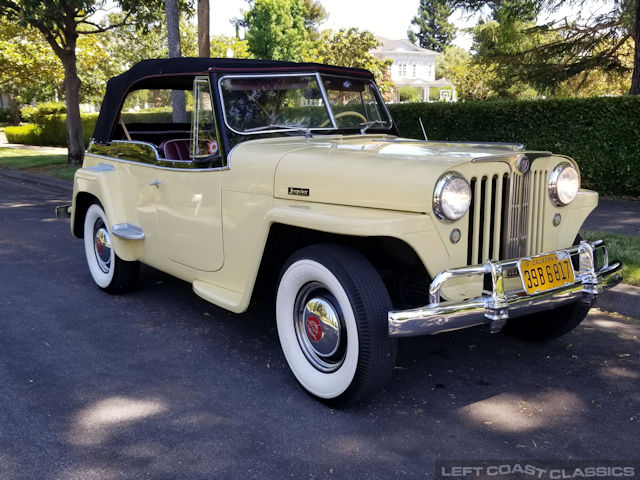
(601, 134)
(51, 130)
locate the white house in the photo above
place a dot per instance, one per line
(414, 66)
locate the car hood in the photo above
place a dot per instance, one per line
(373, 171)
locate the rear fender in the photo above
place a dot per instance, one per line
(106, 185)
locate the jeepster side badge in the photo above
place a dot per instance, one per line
(299, 192)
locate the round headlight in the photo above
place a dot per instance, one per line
(564, 183)
(452, 196)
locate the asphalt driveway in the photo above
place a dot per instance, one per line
(160, 384)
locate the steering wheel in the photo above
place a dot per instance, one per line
(345, 114)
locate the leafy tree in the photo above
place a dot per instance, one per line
(277, 29)
(27, 65)
(316, 14)
(472, 81)
(221, 45)
(432, 22)
(61, 23)
(451, 56)
(132, 42)
(596, 83)
(352, 48)
(569, 48)
(495, 45)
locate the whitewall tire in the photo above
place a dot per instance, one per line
(109, 272)
(331, 311)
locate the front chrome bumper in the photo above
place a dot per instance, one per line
(496, 307)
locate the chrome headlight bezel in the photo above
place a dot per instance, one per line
(440, 203)
(558, 197)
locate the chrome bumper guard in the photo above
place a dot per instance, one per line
(63, 211)
(495, 307)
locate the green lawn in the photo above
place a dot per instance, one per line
(36, 161)
(624, 248)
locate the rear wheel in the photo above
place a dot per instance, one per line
(110, 272)
(331, 313)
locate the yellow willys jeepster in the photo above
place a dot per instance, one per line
(291, 179)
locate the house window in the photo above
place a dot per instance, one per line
(402, 69)
(414, 70)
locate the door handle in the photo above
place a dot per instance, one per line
(157, 183)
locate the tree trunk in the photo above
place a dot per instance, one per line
(14, 111)
(75, 142)
(204, 46)
(173, 38)
(635, 76)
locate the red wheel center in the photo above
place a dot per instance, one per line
(99, 245)
(314, 328)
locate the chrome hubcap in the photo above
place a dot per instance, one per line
(320, 327)
(102, 246)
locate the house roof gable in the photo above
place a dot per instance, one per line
(401, 45)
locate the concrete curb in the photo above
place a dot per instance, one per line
(38, 179)
(622, 299)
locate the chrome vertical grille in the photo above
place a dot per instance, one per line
(539, 195)
(517, 216)
(486, 218)
(506, 217)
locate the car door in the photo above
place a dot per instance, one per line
(189, 195)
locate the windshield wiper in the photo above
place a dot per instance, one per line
(367, 125)
(285, 128)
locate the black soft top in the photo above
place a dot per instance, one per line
(178, 73)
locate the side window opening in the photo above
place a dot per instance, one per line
(147, 116)
(146, 127)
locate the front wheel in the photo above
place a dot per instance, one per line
(331, 311)
(110, 272)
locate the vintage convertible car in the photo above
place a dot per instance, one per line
(290, 179)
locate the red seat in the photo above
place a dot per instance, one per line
(177, 149)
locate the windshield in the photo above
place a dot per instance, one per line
(301, 103)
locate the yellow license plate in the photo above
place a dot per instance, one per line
(546, 272)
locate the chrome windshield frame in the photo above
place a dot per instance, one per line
(376, 93)
(325, 98)
(274, 75)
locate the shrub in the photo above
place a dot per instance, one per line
(34, 114)
(153, 116)
(21, 134)
(52, 130)
(601, 134)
